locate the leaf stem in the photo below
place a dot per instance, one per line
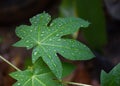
(78, 84)
(10, 63)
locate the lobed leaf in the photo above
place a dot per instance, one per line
(38, 75)
(46, 40)
(112, 78)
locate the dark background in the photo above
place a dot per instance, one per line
(16, 12)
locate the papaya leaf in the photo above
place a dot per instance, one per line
(38, 75)
(45, 39)
(112, 78)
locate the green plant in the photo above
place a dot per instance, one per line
(112, 78)
(46, 37)
(46, 40)
(93, 12)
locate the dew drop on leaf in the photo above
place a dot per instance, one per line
(50, 39)
(84, 45)
(72, 53)
(34, 17)
(27, 41)
(35, 22)
(18, 84)
(41, 34)
(16, 75)
(59, 40)
(55, 50)
(35, 53)
(27, 46)
(81, 25)
(51, 24)
(23, 31)
(57, 34)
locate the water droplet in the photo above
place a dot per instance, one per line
(38, 43)
(27, 41)
(30, 30)
(35, 22)
(61, 32)
(18, 84)
(51, 24)
(58, 39)
(57, 34)
(23, 31)
(72, 53)
(33, 60)
(35, 53)
(37, 16)
(34, 17)
(16, 75)
(81, 25)
(41, 34)
(84, 45)
(27, 46)
(59, 25)
(50, 39)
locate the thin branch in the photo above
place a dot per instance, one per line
(10, 63)
(77, 84)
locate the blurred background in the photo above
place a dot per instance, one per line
(102, 36)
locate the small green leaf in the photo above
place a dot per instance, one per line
(38, 75)
(46, 41)
(112, 78)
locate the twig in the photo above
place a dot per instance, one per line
(10, 63)
(78, 84)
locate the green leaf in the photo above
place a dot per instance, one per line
(67, 69)
(45, 39)
(38, 75)
(27, 62)
(92, 10)
(112, 78)
(67, 8)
